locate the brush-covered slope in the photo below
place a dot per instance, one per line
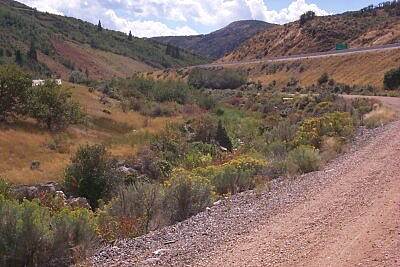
(218, 43)
(65, 43)
(373, 26)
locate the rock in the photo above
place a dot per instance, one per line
(106, 111)
(35, 165)
(78, 202)
(160, 252)
(150, 260)
(61, 195)
(126, 170)
(49, 188)
(25, 192)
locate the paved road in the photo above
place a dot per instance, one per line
(305, 56)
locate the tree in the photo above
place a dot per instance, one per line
(309, 15)
(14, 85)
(172, 51)
(391, 80)
(99, 27)
(130, 37)
(1, 52)
(53, 107)
(18, 57)
(222, 137)
(32, 54)
(91, 174)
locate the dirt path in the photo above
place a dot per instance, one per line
(345, 215)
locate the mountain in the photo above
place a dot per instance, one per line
(63, 44)
(367, 27)
(218, 43)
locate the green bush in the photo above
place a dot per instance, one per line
(222, 137)
(78, 77)
(216, 79)
(52, 106)
(303, 159)
(14, 86)
(31, 235)
(91, 174)
(391, 80)
(185, 197)
(5, 188)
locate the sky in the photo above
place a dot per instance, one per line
(149, 18)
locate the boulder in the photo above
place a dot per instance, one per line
(78, 202)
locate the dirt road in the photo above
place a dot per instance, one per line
(347, 214)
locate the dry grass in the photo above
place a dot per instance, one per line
(379, 117)
(356, 69)
(23, 142)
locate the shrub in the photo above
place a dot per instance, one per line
(30, 235)
(185, 197)
(379, 117)
(303, 159)
(91, 174)
(216, 79)
(14, 85)
(139, 202)
(323, 79)
(4, 188)
(222, 137)
(391, 80)
(312, 130)
(52, 106)
(78, 77)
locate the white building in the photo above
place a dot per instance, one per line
(42, 82)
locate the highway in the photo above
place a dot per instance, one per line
(350, 51)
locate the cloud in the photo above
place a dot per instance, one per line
(148, 18)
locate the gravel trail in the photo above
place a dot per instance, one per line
(347, 214)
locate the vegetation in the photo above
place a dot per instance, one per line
(34, 235)
(14, 84)
(91, 174)
(391, 80)
(53, 107)
(309, 15)
(216, 79)
(19, 22)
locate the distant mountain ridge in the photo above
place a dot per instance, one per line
(368, 27)
(220, 42)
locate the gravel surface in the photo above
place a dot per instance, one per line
(347, 214)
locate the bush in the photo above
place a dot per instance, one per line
(52, 106)
(78, 77)
(216, 79)
(391, 80)
(323, 79)
(222, 137)
(30, 235)
(91, 174)
(379, 117)
(4, 188)
(303, 159)
(14, 86)
(185, 197)
(312, 130)
(138, 203)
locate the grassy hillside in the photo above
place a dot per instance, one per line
(362, 28)
(23, 141)
(218, 43)
(55, 36)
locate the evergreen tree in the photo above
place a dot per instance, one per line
(99, 27)
(130, 37)
(32, 54)
(172, 51)
(18, 57)
(222, 137)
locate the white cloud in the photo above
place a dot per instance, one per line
(172, 17)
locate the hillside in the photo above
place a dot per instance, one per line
(218, 43)
(368, 27)
(64, 44)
